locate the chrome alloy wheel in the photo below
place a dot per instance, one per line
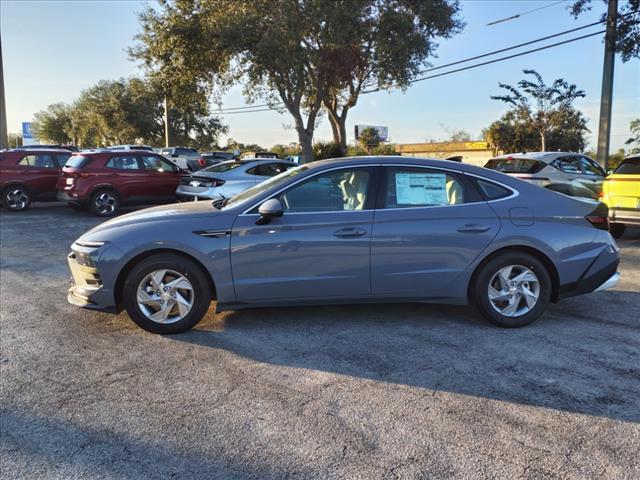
(17, 199)
(105, 203)
(514, 290)
(165, 296)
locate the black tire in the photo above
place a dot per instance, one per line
(617, 229)
(104, 203)
(480, 289)
(200, 287)
(16, 198)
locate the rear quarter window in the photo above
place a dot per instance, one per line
(515, 165)
(492, 191)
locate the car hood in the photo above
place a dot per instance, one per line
(173, 212)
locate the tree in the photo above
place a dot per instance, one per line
(295, 55)
(369, 139)
(378, 45)
(131, 110)
(53, 124)
(634, 140)
(628, 27)
(512, 133)
(544, 107)
(14, 140)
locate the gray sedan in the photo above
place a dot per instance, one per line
(227, 179)
(390, 229)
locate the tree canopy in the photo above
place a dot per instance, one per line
(296, 55)
(128, 111)
(541, 107)
(628, 25)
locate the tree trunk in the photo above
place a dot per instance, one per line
(306, 143)
(543, 142)
(339, 128)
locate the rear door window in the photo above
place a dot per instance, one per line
(569, 165)
(408, 187)
(38, 161)
(62, 159)
(123, 162)
(515, 165)
(157, 164)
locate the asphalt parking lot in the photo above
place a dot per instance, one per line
(391, 391)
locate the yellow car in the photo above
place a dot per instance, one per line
(621, 193)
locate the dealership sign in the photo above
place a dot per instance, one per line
(27, 136)
(383, 132)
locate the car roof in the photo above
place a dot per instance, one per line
(545, 157)
(38, 149)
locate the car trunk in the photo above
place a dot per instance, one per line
(623, 190)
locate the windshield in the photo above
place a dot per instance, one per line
(630, 166)
(273, 182)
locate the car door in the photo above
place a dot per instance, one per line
(41, 174)
(127, 177)
(163, 177)
(319, 248)
(429, 226)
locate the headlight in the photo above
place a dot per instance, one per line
(90, 244)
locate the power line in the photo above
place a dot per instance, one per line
(513, 47)
(518, 15)
(503, 58)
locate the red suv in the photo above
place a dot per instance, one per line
(105, 180)
(29, 174)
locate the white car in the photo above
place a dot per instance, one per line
(227, 179)
(547, 168)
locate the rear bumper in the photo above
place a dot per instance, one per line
(601, 275)
(610, 283)
(628, 216)
(187, 196)
(66, 197)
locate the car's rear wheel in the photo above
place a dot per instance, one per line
(166, 294)
(16, 198)
(105, 203)
(512, 289)
(617, 229)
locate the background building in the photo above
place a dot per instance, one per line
(476, 153)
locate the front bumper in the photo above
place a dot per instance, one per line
(87, 289)
(628, 216)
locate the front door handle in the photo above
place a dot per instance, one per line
(349, 233)
(473, 228)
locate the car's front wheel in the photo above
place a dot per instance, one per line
(166, 294)
(16, 198)
(512, 289)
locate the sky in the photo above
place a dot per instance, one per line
(54, 49)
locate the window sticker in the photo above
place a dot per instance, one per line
(421, 188)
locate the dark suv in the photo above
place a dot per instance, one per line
(104, 180)
(29, 174)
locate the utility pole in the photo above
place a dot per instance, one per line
(166, 123)
(604, 126)
(4, 142)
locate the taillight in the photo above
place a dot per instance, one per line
(599, 218)
(202, 162)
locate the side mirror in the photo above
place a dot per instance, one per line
(270, 209)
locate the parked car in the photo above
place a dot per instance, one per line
(146, 148)
(181, 155)
(576, 190)
(249, 155)
(208, 159)
(29, 174)
(621, 193)
(350, 230)
(543, 168)
(227, 179)
(105, 180)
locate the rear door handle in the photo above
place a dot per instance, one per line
(349, 233)
(473, 228)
